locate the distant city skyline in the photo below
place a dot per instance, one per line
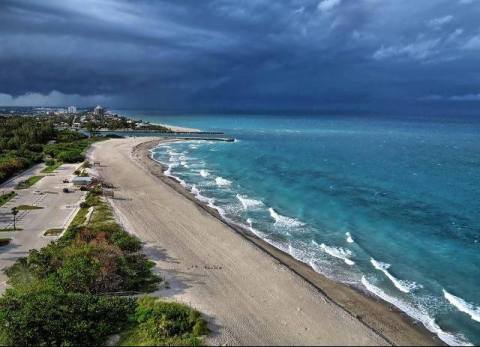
(220, 55)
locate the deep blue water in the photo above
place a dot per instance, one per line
(406, 191)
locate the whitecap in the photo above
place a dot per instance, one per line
(402, 285)
(195, 190)
(463, 306)
(204, 173)
(337, 252)
(417, 314)
(221, 182)
(283, 220)
(248, 203)
(349, 237)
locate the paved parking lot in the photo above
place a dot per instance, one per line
(58, 208)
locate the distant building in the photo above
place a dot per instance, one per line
(71, 109)
(99, 111)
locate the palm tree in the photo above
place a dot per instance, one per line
(14, 213)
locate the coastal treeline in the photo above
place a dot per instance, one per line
(80, 290)
(21, 143)
(25, 141)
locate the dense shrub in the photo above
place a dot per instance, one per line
(43, 314)
(157, 322)
(73, 156)
(50, 162)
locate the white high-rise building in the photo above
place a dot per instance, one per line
(72, 109)
(99, 111)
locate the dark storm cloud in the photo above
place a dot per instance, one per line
(233, 54)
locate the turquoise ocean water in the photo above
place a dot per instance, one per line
(391, 205)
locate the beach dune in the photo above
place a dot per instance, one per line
(248, 296)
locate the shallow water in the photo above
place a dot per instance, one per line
(389, 204)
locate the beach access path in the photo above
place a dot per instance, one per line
(248, 296)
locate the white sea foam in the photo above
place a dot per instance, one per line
(253, 230)
(204, 173)
(168, 171)
(195, 190)
(337, 252)
(349, 237)
(184, 163)
(417, 314)
(221, 182)
(402, 285)
(283, 220)
(210, 201)
(248, 203)
(463, 306)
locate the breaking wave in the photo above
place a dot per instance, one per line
(417, 314)
(463, 306)
(403, 286)
(283, 220)
(248, 203)
(221, 182)
(349, 237)
(337, 252)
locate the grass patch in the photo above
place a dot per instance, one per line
(4, 241)
(53, 232)
(28, 207)
(9, 229)
(79, 219)
(28, 182)
(161, 323)
(52, 168)
(4, 198)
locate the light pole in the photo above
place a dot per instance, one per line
(14, 213)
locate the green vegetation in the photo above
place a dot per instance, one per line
(28, 207)
(4, 241)
(157, 322)
(25, 141)
(4, 198)
(53, 232)
(72, 151)
(52, 167)
(43, 314)
(29, 182)
(21, 143)
(67, 292)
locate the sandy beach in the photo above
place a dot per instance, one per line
(250, 292)
(178, 129)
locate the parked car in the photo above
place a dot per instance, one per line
(66, 181)
(65, 190)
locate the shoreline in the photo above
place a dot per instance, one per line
(383, 318)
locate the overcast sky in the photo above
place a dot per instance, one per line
(240, 54)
